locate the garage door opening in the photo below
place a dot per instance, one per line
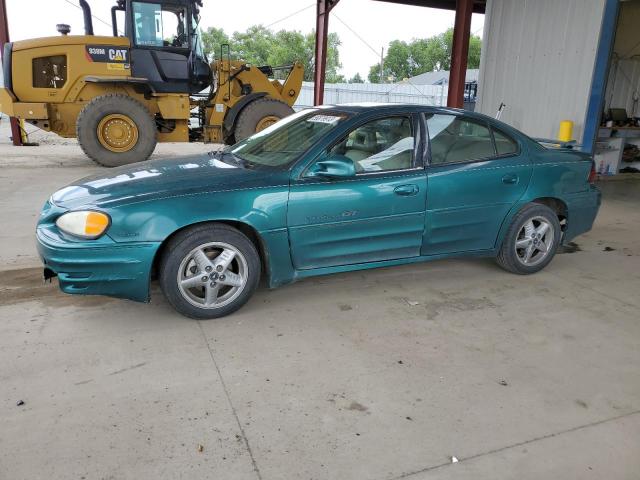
(617, 144)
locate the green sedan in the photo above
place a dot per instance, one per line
(326, 190)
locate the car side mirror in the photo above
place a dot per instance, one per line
(333, 166)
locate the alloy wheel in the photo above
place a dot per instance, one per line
(534, 241)
(212, 275)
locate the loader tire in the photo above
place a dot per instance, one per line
(115, 130)
(258, 115)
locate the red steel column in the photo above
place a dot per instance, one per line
(459, 53)
(322, 30)
(4, 38)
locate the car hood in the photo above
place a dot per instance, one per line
(156, 179)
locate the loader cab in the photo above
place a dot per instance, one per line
(166, 47)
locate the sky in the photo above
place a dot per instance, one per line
(376, 23)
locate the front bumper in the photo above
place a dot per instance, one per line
(101, 267)
(582, 211)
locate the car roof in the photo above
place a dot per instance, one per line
(362, 107)
(369, 107)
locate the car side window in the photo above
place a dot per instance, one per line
(456, 139)
(379, 145)
(505, 145)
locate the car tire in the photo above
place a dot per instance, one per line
(531, 241)
(259, 114)
(183, 270)
(133, 130)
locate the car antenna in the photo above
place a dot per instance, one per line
(500, 109)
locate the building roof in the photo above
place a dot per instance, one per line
(479, 6)
(441, 77)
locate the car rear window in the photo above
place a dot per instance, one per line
(456, 139)
(505, 145)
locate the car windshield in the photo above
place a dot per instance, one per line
(283, 142)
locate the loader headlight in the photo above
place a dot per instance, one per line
(84, 224)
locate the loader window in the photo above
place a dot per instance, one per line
(49, 72)
(158, 26)
(196, 40)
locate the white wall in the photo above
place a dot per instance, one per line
(538, 58)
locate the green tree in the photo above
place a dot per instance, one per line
(254, 45)
(356, 78)
(261, 46)
(333, 58)
(288, 47)
(212, 38)
(374, 73)
(407, 59)
(397, 61)
(475, 48)
(291, 46)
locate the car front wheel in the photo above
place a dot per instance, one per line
(209, 271)
(531, 241)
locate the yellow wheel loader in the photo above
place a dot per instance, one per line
(121, 95)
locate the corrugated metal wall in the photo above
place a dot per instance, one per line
(538, 58)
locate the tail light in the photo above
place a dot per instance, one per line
(593, 174)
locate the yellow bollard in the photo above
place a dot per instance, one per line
(565, 132)
(23, 132)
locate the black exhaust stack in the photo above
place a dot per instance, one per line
(88, 22)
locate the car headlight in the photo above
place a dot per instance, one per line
(84, 224)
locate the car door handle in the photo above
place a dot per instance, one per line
(406, 190)
(510, 178)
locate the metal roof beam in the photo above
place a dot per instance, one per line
(459, 53)
(323, 7)
(479, 6)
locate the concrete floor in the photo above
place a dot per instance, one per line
(340, 377)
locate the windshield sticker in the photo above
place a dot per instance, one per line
(324, 119)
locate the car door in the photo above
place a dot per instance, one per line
(377, 214)
(476, 173)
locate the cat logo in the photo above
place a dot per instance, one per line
(117, 55)
(108, 54)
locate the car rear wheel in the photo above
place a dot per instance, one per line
(531, 241)
(209, 271)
